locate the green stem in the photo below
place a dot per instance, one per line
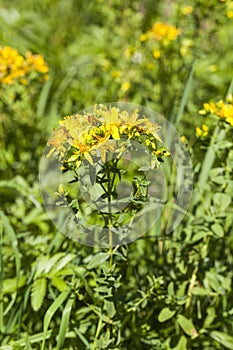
(1, 279)
(99, 326)
(110, 186)
(210, 156)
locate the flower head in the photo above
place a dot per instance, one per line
(163, 32)
(221, 109)
(14, 67)
(202, 131)
(85, 136)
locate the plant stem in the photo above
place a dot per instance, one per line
(110, 186)
(210, 156)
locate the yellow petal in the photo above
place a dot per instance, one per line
(61, 189)
(88, 157)
(73, 158)
(115, 133)
(103, 154)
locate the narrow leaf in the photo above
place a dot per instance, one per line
(97, 260)
(38, 292)
(59, 283)
(185, 95)
(51, 311)
(12, 236)
(82, 338)
(62, 263)
(223, 338)
(64, 323)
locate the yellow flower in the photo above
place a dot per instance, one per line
(125, 86)
(143, 37)
(183, 139)
(150, 66)
(115, 132)
(229, 10)
(129, 51)
(229, 13)
(58, 143)
(164, 32)
(36, 62)
(83, 136)
(14, 67)
(116, 73)
(214, 68)
(156, 54)
(203, 131)
(198, 131)
(186, 10)
(221, 109)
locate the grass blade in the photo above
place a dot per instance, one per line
(1, 279)
(210, 157)
(51, 311)
(12, 236)
(64, 323)
(44, 96)
(82, 338)
(185, 95)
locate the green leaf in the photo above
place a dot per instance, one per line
(218, 230)
(200, 291)
(165, 314)
(211, 314)
(187, 326)
(222, 201)
(62, 263)
(82, 338)
(44, 95)
(10, 284)
(200, 235)
(12, 236)
(187, 88)
(98, 259)
(110, 308)
(222, 338)
(38, 292)
(45, 263)
(224, 144)
(210, 156)
(59, 283)
(182, 344)
(51, 311)
(64, 323)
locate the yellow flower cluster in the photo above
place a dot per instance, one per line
(229, 10)
(186, 10)
(162, 32)
(221, 109)
(14, 67)
(84, 136)
(203, 131)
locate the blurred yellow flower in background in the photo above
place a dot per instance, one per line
(203, 131)
(164, 32)
(156, 54)
(221, 109)
(186, 10)
(14, 67)
(125, 86)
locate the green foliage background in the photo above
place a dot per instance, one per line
(161, 292)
